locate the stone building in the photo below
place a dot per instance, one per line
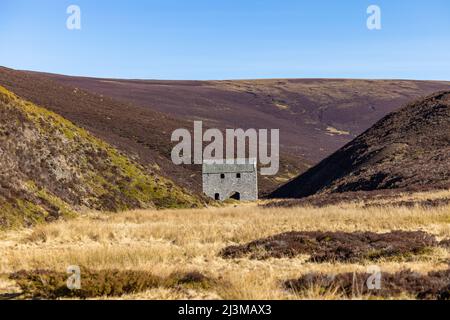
(235, 179)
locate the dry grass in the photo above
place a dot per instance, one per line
(163, 242)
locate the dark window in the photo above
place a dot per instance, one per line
(222, 176)
(238, 175)
(217, 196)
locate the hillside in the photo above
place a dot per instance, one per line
(316, 116)
(140, 132)
(408, 149)
(50, 168)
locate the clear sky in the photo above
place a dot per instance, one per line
(228, 39)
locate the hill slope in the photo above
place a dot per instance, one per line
(408, 149)
(50, 168)
(138, 131)
(316, 116)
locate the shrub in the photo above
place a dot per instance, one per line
(47, 284)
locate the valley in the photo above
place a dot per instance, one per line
(87, 183)
(138, 116)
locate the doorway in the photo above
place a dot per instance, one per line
(236, 196)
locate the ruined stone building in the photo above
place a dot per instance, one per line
(235, 179)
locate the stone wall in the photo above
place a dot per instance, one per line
(246, 185)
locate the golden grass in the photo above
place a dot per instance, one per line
(166, 241)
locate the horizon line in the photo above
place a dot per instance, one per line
(223, 79)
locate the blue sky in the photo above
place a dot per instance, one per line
(228, 39)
